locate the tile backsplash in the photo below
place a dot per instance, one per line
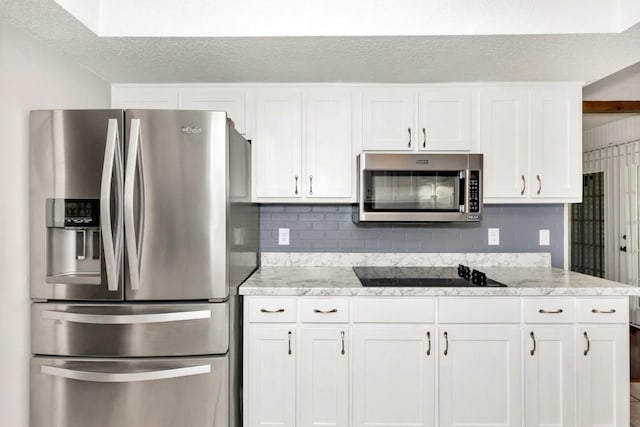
(328, 228)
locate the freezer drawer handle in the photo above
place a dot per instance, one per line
(126, 319)
(112, 249)
(106, 377)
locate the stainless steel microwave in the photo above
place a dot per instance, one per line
(419, 187)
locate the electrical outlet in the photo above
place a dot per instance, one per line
(544, 238)
(494, 236)
(283, 236)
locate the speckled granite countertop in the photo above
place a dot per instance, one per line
(342, 281)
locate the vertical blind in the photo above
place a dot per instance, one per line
(620, 163)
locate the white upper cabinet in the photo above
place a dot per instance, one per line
(444, 119)
(304, 145)
(389, 119)
(329, 159)
(277, 145)
(430, 119)
(531, 139)
(232, 101)
(144, 98)
(504, 141)
(556, 143)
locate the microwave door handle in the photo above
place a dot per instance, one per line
(112, 246)
(129, 221)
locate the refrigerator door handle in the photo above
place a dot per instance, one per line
(112, 247)
(125, 377)
(129, 220)
(125, 319)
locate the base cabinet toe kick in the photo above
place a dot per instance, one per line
(436, 361)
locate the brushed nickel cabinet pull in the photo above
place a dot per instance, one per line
(524, 185)
(296, 190)
(311, 185)
(279, 310)
(333, 310)
(409, 144)
(543, 311)
(428, 343)
(613, 310)
(539, 185)
(533, 338)
(424, 140)
(446, 343)
(289, 337)
(586, 337)
(342, 338)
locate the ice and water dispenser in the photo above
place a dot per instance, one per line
(73, 241)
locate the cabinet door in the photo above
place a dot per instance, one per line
(556, 143)
(232, 101)
(504, 141)
(324, 379)
(330, 162)
(549, 391)
(444, 119)
(271, 375)
(393, 376)
(147, 98)
(480, 376)
(388, 119)
(277, 144)
(603, 376)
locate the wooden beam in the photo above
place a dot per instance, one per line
(600, 107)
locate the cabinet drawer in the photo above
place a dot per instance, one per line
(479, 310)
(549, 310)
(603, 310)
(393, 310)
(324, 310)
(272, 309)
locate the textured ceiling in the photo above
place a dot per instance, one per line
(326, 59)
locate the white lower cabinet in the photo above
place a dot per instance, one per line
(324, 387)
(603, 375)
(436, 362)
(549, 380)
(480, 376)
(270, 372)
(393, 376)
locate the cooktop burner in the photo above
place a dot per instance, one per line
(461, 276)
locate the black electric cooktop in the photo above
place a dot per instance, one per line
(461, 276)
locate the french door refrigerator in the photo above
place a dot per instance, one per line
(141, 230)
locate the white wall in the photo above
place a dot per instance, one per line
(621, 86)
(31, 77)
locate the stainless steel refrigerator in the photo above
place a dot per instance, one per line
(141, 230)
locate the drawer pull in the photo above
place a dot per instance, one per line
(428, 343)
(533, 338)
(446, 343)
(613, 310)
(342, 338)
(543, 311)
(586, 337)
(279, 310)
(333, 310)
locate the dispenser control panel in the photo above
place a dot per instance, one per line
(73, 212)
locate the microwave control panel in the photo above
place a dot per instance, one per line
(474, 191)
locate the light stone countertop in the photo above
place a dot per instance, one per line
(342, 281)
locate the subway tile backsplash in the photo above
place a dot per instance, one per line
(328, 228)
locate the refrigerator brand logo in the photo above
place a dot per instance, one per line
(422, 161)
(191, 130)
